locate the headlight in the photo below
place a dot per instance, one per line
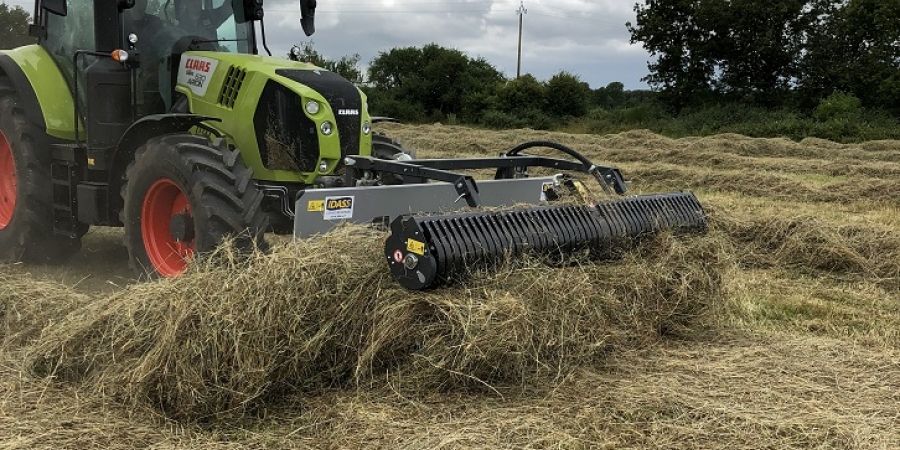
(327, 128)
(366, 128)
(312, 107)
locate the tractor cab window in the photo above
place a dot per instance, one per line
(70, 33)
(204, 20)
(168, 28)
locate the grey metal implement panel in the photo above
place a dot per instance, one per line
(320, 210)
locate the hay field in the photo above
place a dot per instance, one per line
(781, 329)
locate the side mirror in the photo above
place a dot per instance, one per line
(308, 16)
(247, 10)
(57, 7)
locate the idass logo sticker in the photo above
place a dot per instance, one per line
(196, 72)
(338, 208)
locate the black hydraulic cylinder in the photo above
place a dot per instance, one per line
(424, 252)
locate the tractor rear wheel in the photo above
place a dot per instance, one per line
(26, 193)
(183, 196)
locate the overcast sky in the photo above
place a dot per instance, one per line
(586, 37)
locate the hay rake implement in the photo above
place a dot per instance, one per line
(186, 143)
(435, 241)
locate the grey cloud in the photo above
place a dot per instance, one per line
(584, 37)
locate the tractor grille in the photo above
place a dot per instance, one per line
(287, 139)
(344, 99)
(234, 79)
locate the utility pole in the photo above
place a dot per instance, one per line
(521, 11)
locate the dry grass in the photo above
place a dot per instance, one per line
(811, 244)
(449, 140)
(795, 346)
(763, 184)
(778, 392)
(27, 305)
(228, 336)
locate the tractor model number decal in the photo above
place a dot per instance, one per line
(338, 208)
(196, 72)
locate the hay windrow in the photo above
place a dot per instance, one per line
(811, 244)
(320, 313)
(450, 140)
(28, 304)
(762, 184)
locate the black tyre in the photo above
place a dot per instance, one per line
(26, 192)
(383, 147)
(184, 195)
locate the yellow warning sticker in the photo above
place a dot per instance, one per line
(316, 206)
(415, 246)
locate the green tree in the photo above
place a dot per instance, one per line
(437, 80)
(610, 97)
(14, 27)
(745, 48)
(345, 66)
(567, 95)
(856, 49)
(762, 51)
(520, 95)
(758, 44)
(681, 47)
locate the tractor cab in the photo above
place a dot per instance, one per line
(160, 33)
(153, 35)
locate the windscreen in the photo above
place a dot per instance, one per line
(164, 22)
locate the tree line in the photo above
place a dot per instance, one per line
(796, 68)
(772, 53)
(434, 83)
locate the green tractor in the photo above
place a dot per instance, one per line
(163, 118)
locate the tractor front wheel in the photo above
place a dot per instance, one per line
(383, 147)
(183, 196)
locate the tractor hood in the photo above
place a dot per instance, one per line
(302, 120)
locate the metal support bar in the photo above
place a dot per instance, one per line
(464, 184)
(320, 210)
(609, 178)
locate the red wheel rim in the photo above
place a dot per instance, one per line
(162, 203)
(7, 183)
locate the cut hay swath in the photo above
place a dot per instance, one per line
(232, 335)
(813, 245)
(28, 304)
